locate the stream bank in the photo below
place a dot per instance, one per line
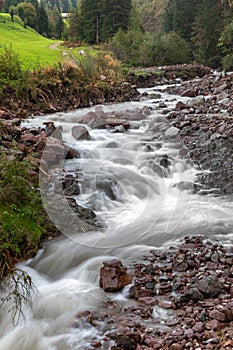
(165, 273)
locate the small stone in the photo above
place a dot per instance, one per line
(198, 327)
(213, 324)
(217, 315)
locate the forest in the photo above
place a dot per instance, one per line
(140, 33)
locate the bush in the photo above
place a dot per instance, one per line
(171, 49)
(10, 66)
(227, 63)
(138, 49)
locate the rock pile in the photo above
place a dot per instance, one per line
(151, 76)
(29, 144)
(205, 126)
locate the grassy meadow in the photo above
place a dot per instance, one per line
(31, 47)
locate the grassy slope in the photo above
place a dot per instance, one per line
(31, 47)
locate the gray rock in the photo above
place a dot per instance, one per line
(172, 132)
(196, 101)
(79, 132)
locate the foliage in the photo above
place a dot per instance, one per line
(21, 218)
(206, 33)
(99, 20)
(27, 12)
(136, 48)
(180, 15)
(175, 49)
(151, 14)
(227, 62)
(126, 45)
(10, 67)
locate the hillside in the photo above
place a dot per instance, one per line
(31, 47)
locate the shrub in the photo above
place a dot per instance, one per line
(171, 49)
(10, 66)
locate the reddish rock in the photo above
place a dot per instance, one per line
(147, 300)
(220, 316)
(29, 139)
(176, 346)
(113, 122)
(190, 93)
(114, 276)
(198, 327)
(213, 324)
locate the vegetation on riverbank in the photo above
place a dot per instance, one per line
(22, 219)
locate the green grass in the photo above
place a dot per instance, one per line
(32, 48)
(35, 50)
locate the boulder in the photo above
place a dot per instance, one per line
(114, 276)
(53, 131)
(113, 122)
(79, 132)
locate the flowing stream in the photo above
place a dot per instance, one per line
(141, 203)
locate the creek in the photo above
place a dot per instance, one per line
(140, 203)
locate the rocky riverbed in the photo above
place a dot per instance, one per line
(205, 127)
(181, 298)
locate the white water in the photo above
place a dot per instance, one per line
(148, 210)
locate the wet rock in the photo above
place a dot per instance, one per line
(70, 184)
(172, 132)
(53, 131)
(114, 276)
(80, 133)
(211, 286)
(114, 122)
(196, 101)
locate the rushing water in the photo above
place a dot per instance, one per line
(141, 204)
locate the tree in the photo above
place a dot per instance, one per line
(180, 16)
(56, 24)
(27, 12)
(73, 24)
(100, 19)
(12, 10)
(43, 20)
(59, 26)
(207, 28)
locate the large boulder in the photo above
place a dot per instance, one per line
(114, 276)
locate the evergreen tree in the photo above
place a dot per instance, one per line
(43, 21)
(207, 28)
(180, 15)
(73, 24)
(66, 5)
(100, 19)
(59, 26)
